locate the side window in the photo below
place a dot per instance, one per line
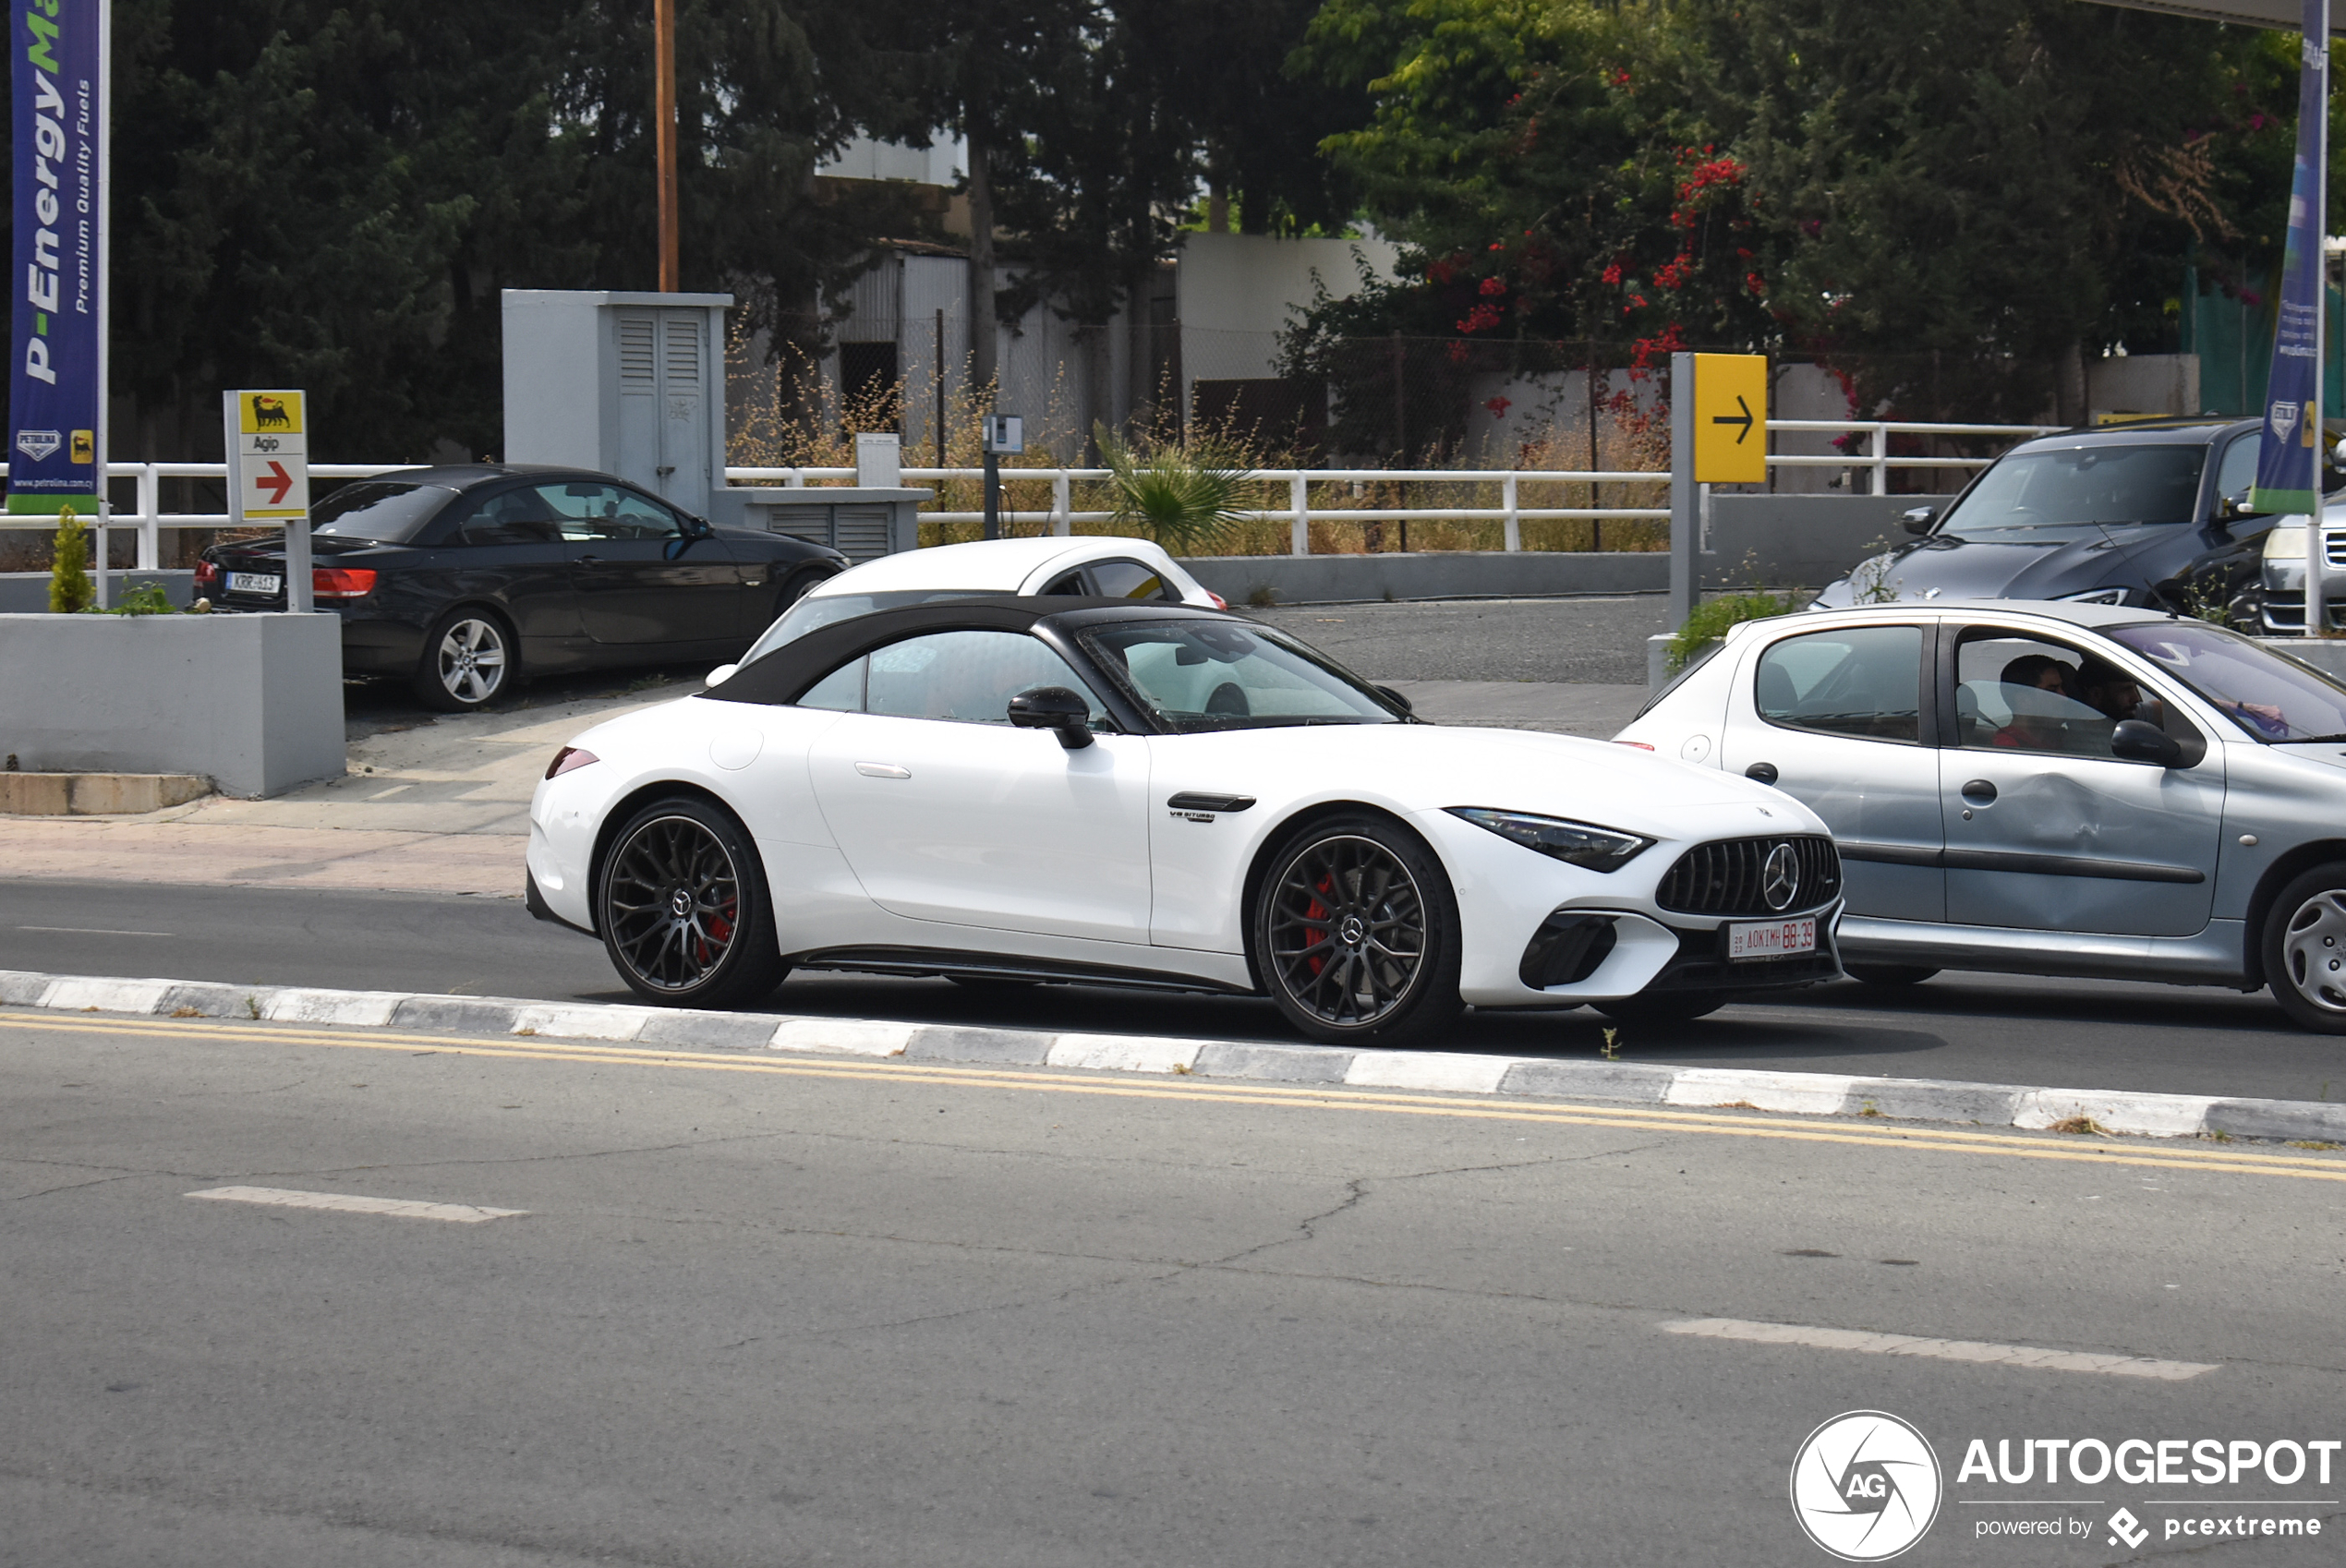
(1864, 682)
(2239, 469)
(511, 517)
(965, 677)
(1067, 583)
(1130, 580)
(2016, 693)
(841, 691)
(586, 511)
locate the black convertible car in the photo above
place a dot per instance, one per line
(466, 578)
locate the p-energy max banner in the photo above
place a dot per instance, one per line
(53, 386)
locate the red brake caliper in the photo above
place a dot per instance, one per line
(721, 929)
(1317, 911)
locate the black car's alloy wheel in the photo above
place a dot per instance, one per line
(1356, 934)
(681, 904)
(2306, 950)
(467, 660)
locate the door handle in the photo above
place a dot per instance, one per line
(1980, 792)
(882, 770)
(591, 561)
(1765, 772)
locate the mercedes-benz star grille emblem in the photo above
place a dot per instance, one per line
(1780, 878)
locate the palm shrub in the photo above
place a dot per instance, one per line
(1188, 497)
(70, 590)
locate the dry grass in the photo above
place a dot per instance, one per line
(2085, 1126)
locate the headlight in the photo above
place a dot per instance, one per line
(1583, 844)
(2093, 596)
(2285, 544)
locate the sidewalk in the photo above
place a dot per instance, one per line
(443, 806)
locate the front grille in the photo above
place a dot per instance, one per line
(2334, 545)
(1730, 877)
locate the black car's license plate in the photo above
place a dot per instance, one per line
(254, 583)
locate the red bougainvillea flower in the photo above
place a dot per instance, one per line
(1756, 284)
(1613, 273)
(1492, 287)
(1498, 406)
(1457, 354)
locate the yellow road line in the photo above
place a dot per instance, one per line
(1908, 1136)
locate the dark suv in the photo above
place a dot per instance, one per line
(2153, 513)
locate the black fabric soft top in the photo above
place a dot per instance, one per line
(782, 675)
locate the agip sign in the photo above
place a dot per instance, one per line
(57, 382)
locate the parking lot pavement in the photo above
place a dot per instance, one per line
(1979, 1028)
(557, 1304)
(1578, 641)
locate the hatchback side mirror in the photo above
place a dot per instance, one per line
(720, 675)
(1919, 519)
(2138, 740)
(1054, 707)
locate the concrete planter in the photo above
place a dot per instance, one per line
(254, 702)
(1430, 574)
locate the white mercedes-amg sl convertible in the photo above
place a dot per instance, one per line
(1006, 790)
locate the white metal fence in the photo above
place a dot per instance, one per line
(148, 518)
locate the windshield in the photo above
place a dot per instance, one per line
(2274, 699)
(1199, 675)
(815, 611)
(2081, 487)
(390, 512)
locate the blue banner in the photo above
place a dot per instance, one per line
(57, 87)
(2289, 461)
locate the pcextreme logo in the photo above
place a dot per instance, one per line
(1865, 1485)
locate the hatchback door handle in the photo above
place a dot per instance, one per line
(882, 770)
(1980, 792)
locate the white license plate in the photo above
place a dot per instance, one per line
(253, 583)
(1771, 938)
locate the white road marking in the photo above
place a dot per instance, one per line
(1939, 1350)
(94, 931)
(398, 1208)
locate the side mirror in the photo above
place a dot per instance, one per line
(720, 675)
(1396, 699)
(2138, 740)
(1054, 707)
(1919, 519)
(2235, 507)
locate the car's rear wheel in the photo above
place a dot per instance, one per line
(1356, 934)
(468, 659)
(1662, 1006)
(1889, 974)
(2305, 941)
(682, 904)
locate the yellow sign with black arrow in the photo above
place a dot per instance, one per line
(1731, 419)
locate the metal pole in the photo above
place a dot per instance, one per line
(1596, 525)
(664, 134)
(1062, 504)
(1683, 499)
(1299, 493)
(993, 496)
(1515, 523)
(1880, 458)
(2316, 537)
(106, 282)
(940, 386)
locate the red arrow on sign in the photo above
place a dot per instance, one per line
(277, 480)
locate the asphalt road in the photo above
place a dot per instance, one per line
(767, 1313)
(1602, 641)
(2079, 1034)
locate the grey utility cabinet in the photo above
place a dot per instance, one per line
(632, 384)
(862, 524)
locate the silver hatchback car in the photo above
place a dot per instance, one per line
(2047, 788)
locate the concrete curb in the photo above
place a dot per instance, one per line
(1821, 1094)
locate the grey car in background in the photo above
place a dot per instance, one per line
(2119, 516)
(2047, 788)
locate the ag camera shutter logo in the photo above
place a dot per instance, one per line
(1865, 1485)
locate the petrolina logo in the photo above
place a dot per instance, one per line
(38, 445)
(1865, 1486)
(2284, 419)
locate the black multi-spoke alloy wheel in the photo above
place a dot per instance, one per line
(468, 659)
(681, 905)
(1356, 934)
(2306, 950)
(1662, 1006)
(1889, 974)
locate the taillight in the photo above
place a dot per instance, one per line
(568, 758)
(341, 582)
(1639, 744)
(1219, 602)
(207, 575)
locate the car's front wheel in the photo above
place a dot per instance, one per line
(682, 908)
(1356, 934)
(468, 659)
(2306, 949)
